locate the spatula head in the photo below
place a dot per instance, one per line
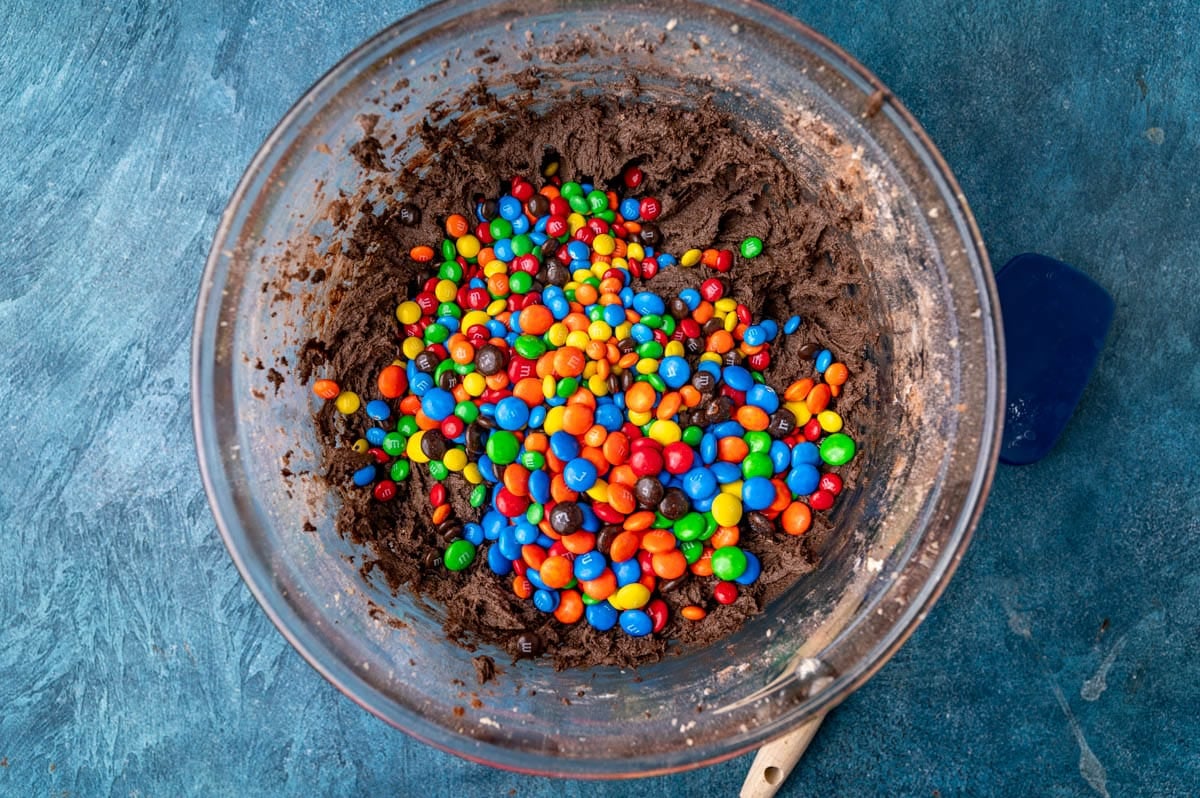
(1055, 322)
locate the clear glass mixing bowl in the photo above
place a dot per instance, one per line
(929, 435)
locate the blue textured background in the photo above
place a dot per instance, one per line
(1062, 661)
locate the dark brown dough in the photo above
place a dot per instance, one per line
(717, 185)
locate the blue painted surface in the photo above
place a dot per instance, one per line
(1062, 660)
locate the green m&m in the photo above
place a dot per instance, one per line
(728, 563)
(459, 555)
(837, 449)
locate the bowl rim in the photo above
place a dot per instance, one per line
(286, 620)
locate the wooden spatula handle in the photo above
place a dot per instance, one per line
(775, 761)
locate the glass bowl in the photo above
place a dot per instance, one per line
(929, 434)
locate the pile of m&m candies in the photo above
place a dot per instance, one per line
(618, 442)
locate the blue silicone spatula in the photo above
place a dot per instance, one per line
(1055, 321)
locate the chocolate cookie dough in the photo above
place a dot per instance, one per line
(719, 183)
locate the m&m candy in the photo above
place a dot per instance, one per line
(611, 442)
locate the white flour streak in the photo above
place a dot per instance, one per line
(1089, 766)
(1096, 685)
